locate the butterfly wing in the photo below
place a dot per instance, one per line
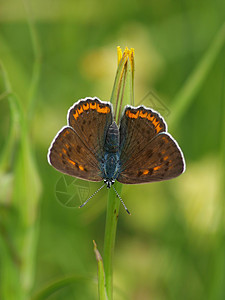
(148, 153)
(91, 118)
(68, 154)
(138, 126)
(77, 150)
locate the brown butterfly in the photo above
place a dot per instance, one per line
(94, 148)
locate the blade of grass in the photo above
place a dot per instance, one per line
(27, 188)
(193, 84)
(36, 65)
(217, 290)
(101, 275)
(9, 285)
(24, 199)
(19, 79)
(57, 285)
(15, 121)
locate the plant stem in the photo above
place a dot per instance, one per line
(122, 94)
(113, 205)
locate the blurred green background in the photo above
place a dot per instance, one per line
(172, 247)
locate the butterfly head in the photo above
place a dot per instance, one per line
(109, 182)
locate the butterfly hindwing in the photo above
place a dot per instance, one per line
(68, 154)
(161, 159)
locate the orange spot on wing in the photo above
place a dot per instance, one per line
(85, 106)
(166, 157)
(165, 139)
(81, 168)
(93, 105)
(103, 110)
(143, 115)
(65, 133)
(76, 115)
(64, 151)
(155, 122)
(150, 117)
(80, 110)
(158, 128)
(132, 115)
(71, 161)
(156, 168)
(67, 146)
(145, 172)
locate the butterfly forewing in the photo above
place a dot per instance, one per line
(91, 118)
(78, 149)
(137, 127)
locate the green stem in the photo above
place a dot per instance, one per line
(113, 205)
(122, 94)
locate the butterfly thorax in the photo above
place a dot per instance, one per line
(111, 159)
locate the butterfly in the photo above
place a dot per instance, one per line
(94, 148)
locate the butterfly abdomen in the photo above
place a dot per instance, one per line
(112, 139)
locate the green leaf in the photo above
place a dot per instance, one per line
(57, 285)
(101, 275)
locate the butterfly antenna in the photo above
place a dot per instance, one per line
(121, 200)
(92, 196)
